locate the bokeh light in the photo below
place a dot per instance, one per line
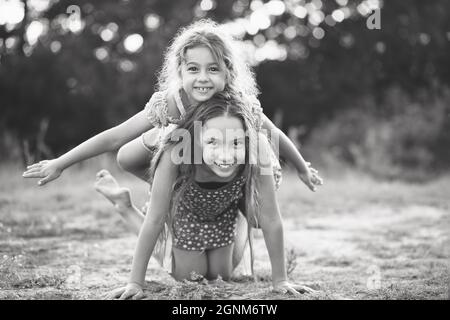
(318, 33)
(133, 42)
(152, 21)
(207, 5)
(338, 15)
(55, 46)
(300, 12)
(34, 30)
(101, 53)
(275, 7)
(11, 12)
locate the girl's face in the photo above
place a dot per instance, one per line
(202, 76)
(223, 145)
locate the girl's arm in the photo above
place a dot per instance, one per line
(109, 140)
(272, 227)
(155, 218)
(270, 220)
(288, 150)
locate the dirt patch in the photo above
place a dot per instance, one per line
(353, 239)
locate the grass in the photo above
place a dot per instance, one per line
(356, 238)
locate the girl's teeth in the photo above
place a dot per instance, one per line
(224, 165)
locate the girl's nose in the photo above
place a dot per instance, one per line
(203, 76)
(225, 156)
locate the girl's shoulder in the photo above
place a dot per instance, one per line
(163, 109)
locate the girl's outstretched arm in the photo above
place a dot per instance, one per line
(155, 218)
(287, 149)
(109, 140)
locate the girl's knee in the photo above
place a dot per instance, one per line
(220, 263)
(224, 274)
(186, 265)
(123, 160)
(133, 157)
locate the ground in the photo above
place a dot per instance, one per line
(355, 238)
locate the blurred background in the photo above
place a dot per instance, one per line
(361, 86)
(352, 88)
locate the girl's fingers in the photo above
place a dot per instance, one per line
(293, 291)
(303, 289)
(280, 290)
(35, 165)
(33, 174)
(125, 295)
(45, 180)
(107, 296)
(317, 180)
(115, 293)
(38, 165)
(287, 289)
(33, 170)
(138, 296)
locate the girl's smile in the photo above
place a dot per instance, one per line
(223, 145)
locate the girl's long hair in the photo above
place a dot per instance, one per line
(239, 77)
(219, 105)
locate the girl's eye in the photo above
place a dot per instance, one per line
(192, 69)
(214, 69)
(211, 142)
(238, 143)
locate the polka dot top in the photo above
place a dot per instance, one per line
(206, 218)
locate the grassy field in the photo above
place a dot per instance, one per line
(356, 238)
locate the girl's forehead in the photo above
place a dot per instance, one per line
(229, 125)
(199, 54)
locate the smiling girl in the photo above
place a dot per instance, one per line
(199, 202)
(201, 61)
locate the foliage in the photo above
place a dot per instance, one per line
(72, 84)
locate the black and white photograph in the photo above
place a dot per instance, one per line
(225, 150)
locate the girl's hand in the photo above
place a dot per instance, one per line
(48, 170)
(132, 291)
(311, 177)
(295, 289)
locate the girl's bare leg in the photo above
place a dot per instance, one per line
(220, 263)
(120, 198)
(185, 262)
(135, 158)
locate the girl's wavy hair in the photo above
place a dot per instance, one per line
(219, 105)
(225, 49)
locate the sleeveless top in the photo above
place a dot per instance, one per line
(206, 218)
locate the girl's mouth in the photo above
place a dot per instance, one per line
(224, 165)
(203, 89)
